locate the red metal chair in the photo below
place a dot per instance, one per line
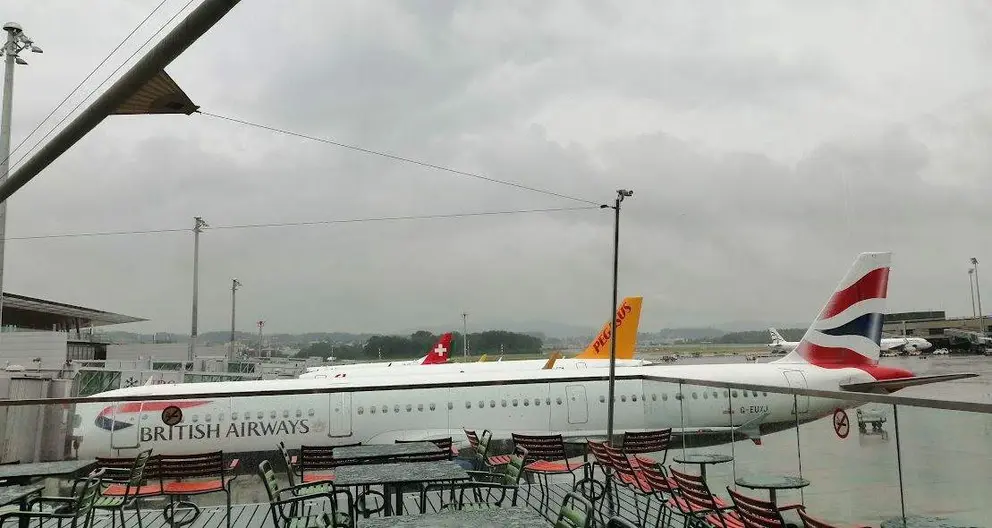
(632, 479)
(695, 500)
(549, 458)
(810, 522)
(638, 443)
(756, 513)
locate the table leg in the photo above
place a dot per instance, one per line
(398, 510)
(771, 497)
(702, 472)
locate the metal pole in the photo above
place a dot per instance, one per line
(10, 54)
(978, 293)
(464, 335)
(198, 22)
(971, 289)
(234, 288)
(260, 324)
(621, 194)
(198, 225)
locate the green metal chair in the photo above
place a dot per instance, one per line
(77, 509)
(575, 512)
(293, 519)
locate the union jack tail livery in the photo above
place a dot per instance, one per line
(439, 352)
(848, 330)
(628, 316)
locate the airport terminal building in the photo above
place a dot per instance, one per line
(931, 326)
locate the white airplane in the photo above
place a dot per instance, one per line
(910, 345)
(437, 355)
(839, 352)
(597, 354)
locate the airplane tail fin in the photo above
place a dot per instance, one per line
(776, 337)
(628, 316)
(848, 330)
(439, 353)
(550, 363)
(483, 358)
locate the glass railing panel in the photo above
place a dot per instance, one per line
(703, 444)
(853, 474)
(946, 460)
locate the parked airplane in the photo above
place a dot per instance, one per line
(437, 355)
(597, 354)
(909, 345)
(839, 352)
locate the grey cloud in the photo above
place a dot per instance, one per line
(718, 229)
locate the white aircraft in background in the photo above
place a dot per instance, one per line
(438, 355)
(910, 345)
(839, 352)
(597, 354)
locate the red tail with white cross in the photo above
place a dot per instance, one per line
(439, 353)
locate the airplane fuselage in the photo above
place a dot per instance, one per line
(480, 367)
(534, 402)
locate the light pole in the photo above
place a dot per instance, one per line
(260, 325)
(978, 293)
(621, 194)
(16, 42)
(464, 334)
(198, 225)
(971, 289)
(234, 288)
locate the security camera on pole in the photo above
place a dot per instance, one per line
(16, 42)
(621, 194)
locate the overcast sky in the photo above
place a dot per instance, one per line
(767, 144)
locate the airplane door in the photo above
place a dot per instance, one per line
(578, 407)
(796, 379)
(339, 414)
(125, 426)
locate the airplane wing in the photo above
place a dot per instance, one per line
(892, 385)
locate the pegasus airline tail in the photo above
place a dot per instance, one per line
(627, 318)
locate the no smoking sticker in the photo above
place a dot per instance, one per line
(842, 424)
(172, 415)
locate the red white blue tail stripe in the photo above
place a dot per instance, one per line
(848, 330)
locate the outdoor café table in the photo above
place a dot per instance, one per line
(378, 451)
(772, 483)
(510, 517)
(12, 494)
(703, 459)
(396, 474)
(22, 473)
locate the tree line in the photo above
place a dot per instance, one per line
(756, 337)
(421, 342)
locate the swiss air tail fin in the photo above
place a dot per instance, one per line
(848, 330)
(627, 317)
(776, 337)
(439, 352)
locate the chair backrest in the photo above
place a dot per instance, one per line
(149, 469)
(444, 444)
(756, 513)
(473, 439)
(514, 470)
(600, 455)
(618, 460)
(271, 483)
(288, 459)
(656, 477)
(83, 507)
(695, 492)
(575, 512)
(542, 447)
(648, 442)
(810, 522)
(484, 442)
(197, 465)
(137, 475)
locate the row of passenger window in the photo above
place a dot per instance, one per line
(515, 402)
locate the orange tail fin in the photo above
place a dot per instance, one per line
(628, 316)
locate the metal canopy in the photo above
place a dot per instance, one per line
(40, 314)
(160, 95)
